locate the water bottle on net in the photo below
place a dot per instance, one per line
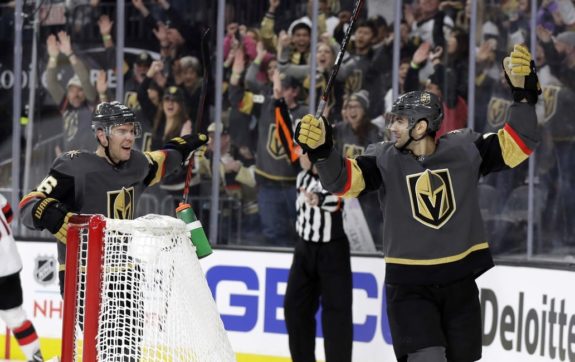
(185, 213)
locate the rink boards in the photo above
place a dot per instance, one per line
(528, 313)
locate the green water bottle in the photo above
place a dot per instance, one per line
(185, 213)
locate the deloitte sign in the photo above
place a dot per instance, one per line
(528, 314)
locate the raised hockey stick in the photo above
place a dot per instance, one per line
(339, 59)
(201, 107)
(184, 211)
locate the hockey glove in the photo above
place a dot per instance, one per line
(314, 136)
(186, 144)
(52, 215)
(521, 75)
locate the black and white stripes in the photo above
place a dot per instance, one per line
(317, 222)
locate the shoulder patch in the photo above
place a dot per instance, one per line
(71, 154)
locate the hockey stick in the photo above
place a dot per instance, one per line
(201, 107)
(205, 79)
(338, 60)
(184, 211)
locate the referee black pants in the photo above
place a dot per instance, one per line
(320, 273)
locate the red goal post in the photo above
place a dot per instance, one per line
(135, 289)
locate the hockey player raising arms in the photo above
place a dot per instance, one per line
(434, 240)
(109, 181)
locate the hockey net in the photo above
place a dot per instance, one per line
(135, 291)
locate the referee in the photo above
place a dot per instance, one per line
(320, 272)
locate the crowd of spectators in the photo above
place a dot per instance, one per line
(267, 81)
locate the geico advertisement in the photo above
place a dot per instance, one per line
(528, 313)
(249, 289)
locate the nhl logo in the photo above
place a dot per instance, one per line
(45, 269)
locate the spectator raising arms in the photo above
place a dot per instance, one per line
(75, 99)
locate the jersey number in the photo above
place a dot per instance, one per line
(47, 185)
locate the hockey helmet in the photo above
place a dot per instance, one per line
(110, 114)
(418, 105)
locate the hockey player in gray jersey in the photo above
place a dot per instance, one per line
(434, 240)
(108, 181)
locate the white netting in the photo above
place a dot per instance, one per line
(155, 302)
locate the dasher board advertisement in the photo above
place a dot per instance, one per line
(528, 313)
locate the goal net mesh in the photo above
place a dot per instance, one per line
(155, 304)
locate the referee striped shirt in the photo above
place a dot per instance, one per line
(320, 223)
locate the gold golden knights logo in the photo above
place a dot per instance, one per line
(121, 204)
(498, 111)
(431, 196)
(274, 145)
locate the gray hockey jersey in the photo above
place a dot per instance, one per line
(88, 184)
(433, 231)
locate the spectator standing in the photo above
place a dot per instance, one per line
(75, 99)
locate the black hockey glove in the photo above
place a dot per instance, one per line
(521, 75)
(186, 144)
(315, 137)
(50, 214)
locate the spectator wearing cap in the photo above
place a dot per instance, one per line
(171, 120)
(277, 160)
(75, 100)
(140, 67)
(134, 80)
(237, 181)
(296, 42)
(361, 67)
(188, 76)
(351, 139)
(327, 22)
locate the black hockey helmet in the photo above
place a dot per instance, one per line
(110, 114)
(418, 105)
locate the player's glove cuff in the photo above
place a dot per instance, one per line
(186, 144)
(49, 214)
